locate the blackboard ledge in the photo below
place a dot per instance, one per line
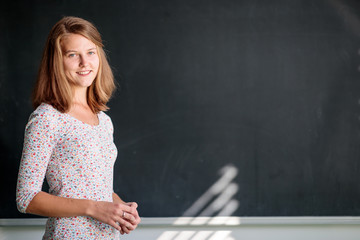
(148, 222)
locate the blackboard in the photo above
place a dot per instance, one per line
(234, 107)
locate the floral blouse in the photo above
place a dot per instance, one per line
(77, 160)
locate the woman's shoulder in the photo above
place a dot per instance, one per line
(46, 109)
(105, 118)
(103, 115)
(45, 113)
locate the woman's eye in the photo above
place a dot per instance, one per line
(71, 55)
(91, 53)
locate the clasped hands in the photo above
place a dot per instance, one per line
(122, 216)
(131, 216)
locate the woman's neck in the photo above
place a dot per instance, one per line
(80, 96)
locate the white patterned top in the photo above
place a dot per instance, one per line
(77, 160)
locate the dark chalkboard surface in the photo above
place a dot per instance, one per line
(235, 107)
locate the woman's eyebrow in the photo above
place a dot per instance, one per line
(67, 51)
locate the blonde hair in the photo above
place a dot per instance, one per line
(52, 86)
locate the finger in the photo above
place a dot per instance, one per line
(138, 219)
(126, 230)
(125, 208)
(133, 211)
(132, 204)
(136, 216)
(121, 231)
(126, 224)
(115, 225)
(129, 217)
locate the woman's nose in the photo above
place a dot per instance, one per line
(83, 60)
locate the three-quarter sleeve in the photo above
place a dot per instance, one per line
(39, 144)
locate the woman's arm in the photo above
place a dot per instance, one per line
(117, 199)
(45, 204)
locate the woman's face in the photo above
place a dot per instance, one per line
(81, 60)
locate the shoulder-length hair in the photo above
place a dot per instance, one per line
(52, 86)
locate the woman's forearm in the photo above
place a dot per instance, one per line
(45, 204)
(117, 199)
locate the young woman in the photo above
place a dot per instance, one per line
(69, 139)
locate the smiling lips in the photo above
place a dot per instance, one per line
(84, 73)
